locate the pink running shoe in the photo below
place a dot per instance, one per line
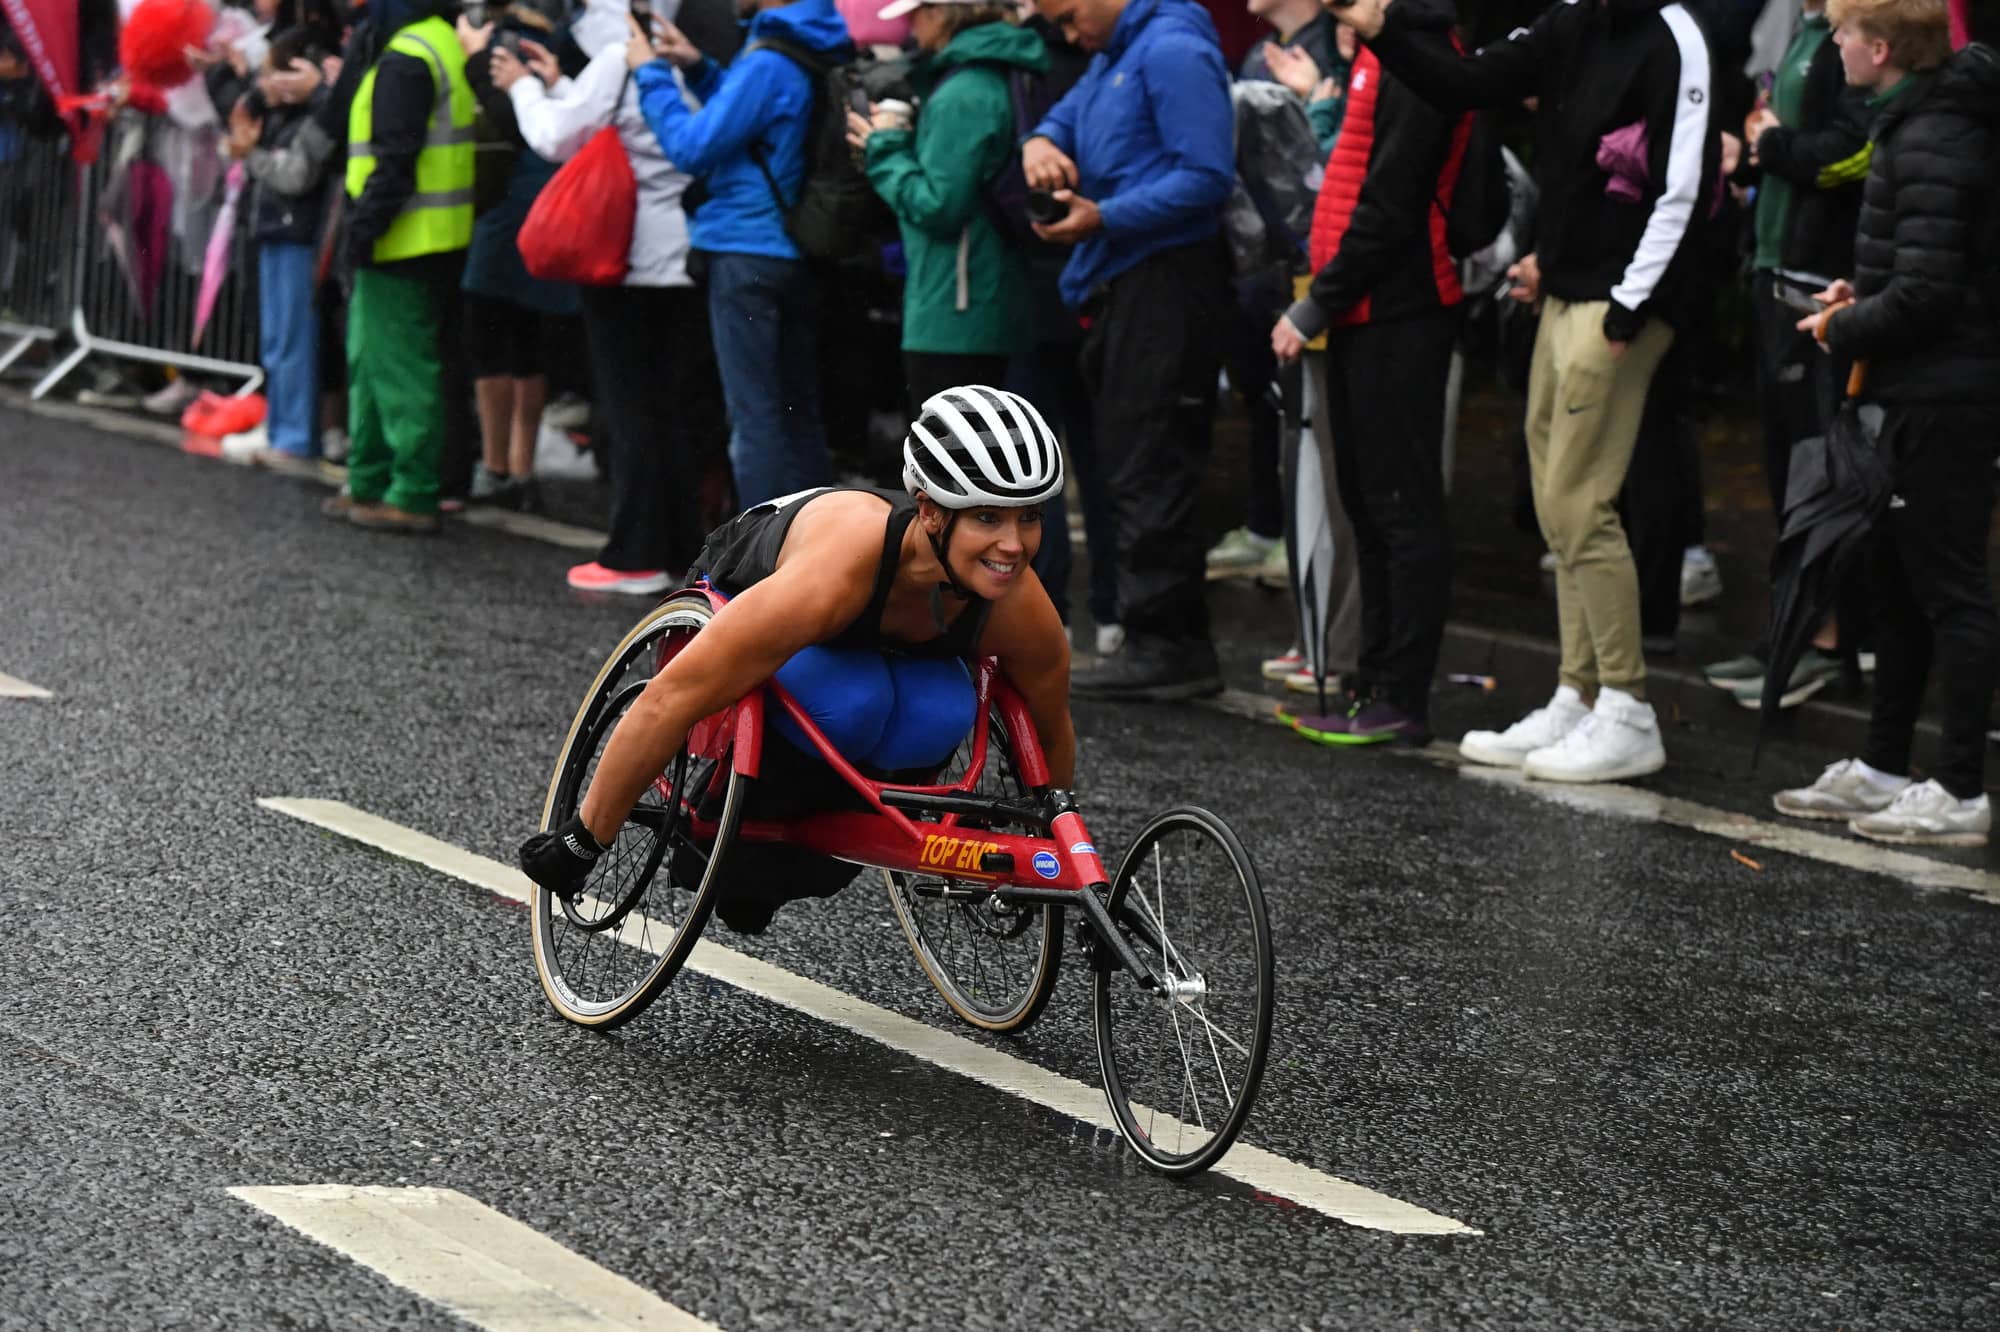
(594, 577)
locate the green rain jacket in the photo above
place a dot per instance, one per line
(967, 291)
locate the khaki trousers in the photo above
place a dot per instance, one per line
(1584, 409)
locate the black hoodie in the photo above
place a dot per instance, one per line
(1924, 255)
(1597, 66)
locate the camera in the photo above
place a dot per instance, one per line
(1045, 208)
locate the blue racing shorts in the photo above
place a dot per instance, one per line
(886, 712)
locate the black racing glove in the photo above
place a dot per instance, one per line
(560, 859)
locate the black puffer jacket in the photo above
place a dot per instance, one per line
(1924, 320)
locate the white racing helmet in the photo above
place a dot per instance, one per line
(974, 446)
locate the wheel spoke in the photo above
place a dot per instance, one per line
(1204, 939)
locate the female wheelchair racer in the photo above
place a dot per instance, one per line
(866, 606)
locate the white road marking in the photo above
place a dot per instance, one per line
(12, 688)
(1263, 1170)
(483, 1265)
(1636, 802)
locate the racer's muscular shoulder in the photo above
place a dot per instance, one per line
(825, 574)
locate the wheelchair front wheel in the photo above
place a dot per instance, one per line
(1182, 1060)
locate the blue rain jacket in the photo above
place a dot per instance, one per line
(763, 97)
(1149, 127)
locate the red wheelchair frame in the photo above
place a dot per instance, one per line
(1061, 867)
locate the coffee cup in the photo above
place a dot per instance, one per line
(892, 113)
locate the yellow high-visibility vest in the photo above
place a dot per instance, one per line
(437, 218)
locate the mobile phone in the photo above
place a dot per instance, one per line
(642, 14)
(509, 41)
(475, 12)
(857, 100)
(1045, 208)
(1794, 297)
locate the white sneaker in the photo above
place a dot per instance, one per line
(173, 399)
(1285, 664)
(1619, 739)
(1110, 638)
(1305, 682)
(1539, 729)
(246, 447)
(1928, 815)
(1701, 581)
(1846, 790)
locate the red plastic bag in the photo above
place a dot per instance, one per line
(580, 227)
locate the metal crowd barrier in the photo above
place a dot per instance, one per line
(106, 317)
(38, 235)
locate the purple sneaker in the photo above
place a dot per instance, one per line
(1376, 721)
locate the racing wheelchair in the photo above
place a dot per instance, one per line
(985, 863)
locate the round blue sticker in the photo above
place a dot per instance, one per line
(1045, 864)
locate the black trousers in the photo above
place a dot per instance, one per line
(934, 372)
(1796, 393)
(653, 366)
(1151, 358)
(1661, 505)
(1933, 598)
(1386, 383)
(1253, 371)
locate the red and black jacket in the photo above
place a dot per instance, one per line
(1378, 247)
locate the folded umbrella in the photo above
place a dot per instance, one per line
(215, 262)
(1309, 536)
(1837, 486)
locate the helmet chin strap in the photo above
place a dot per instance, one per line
(940, 540)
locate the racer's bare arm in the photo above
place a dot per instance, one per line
(1028, 637)
(821, 583)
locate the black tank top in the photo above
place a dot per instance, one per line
(744, 551)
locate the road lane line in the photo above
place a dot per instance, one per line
(13, 688)
(1266, 1171)
(1636, 802)
(483, 1265)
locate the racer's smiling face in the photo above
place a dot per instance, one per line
(992, 547)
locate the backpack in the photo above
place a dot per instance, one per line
(1031, 95)
(1482, 200)
(1279, 170)
(837, 211)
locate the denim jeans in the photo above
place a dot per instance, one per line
(761, 310)
(288, 336)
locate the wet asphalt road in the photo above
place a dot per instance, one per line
(1670, 1091)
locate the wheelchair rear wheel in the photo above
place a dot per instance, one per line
(604, 957)
(994, 962)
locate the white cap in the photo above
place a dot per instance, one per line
(897, 8)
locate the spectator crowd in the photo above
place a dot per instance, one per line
(706, 216)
